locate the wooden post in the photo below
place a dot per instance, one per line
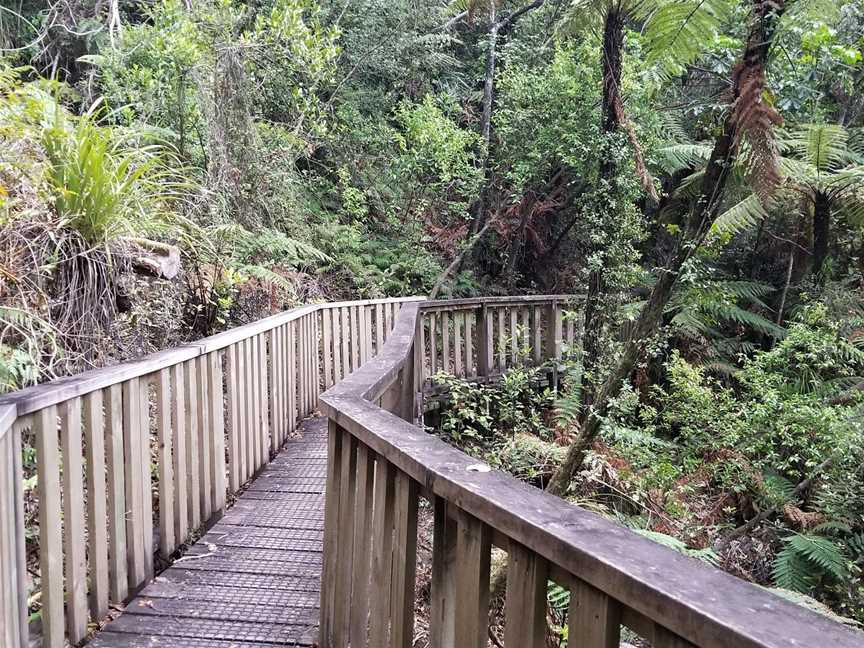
(484, 340)
(553, 332)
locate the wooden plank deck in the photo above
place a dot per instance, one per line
(253, 580)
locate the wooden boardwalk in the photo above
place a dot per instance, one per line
(253, 580)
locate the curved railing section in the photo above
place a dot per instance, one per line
(381, 464)
(174, 432)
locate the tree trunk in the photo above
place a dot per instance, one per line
(766, 15)
(821, 231)
(611, 48)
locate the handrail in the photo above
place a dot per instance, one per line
(30, 399)
(211, 411)
(615, 576)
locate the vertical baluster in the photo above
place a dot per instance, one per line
(501, 341)
(302, 368)
(364, 334)
(273, 372)
(303, 364)
(8, 611)
(442, 605)
(217, 417)
(525, 609)
(537, 335)
(146, 477)
(473, 554)
(181, 471)
(13, 596)
(132, 434)
(433, 343)
(118, 581)
(404, 562)
(205, 438)
(379, 327)
(338, 374)
(313, 361)
(594, 619)
(571, 332)
(344, 335)
(166, 468)
(97, 529)
(526, 330)
(283, 384)
(458, 351)
(327, 346)
(50, 531)
(469, 345)
(192, 450)
(345, 553)
(234, 414)
(332, 496)
(388, 321)
(362, 547)
(355, 337)
(17, 492)
(73, 522)
(244, 377)
(382, 555)
(255, 445)
(292, 376)
(421, 345)
(445, 342)
(514, 336)
(263, 401)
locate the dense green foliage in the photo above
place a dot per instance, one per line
(284, 151)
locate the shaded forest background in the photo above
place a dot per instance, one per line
(695, 168)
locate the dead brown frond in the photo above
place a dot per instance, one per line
(753, 115)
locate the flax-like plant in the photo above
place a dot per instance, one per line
(105, 183)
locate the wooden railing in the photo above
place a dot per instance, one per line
(174, 432)
(381, 464)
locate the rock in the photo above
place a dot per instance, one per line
(155, 258)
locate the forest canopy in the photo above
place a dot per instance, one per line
(693, 168)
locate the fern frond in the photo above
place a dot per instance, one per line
(792, 571)
(678, 32)
(821, 552)
(677, 157)
(705, 555)
(744, 214)
(822, 146)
